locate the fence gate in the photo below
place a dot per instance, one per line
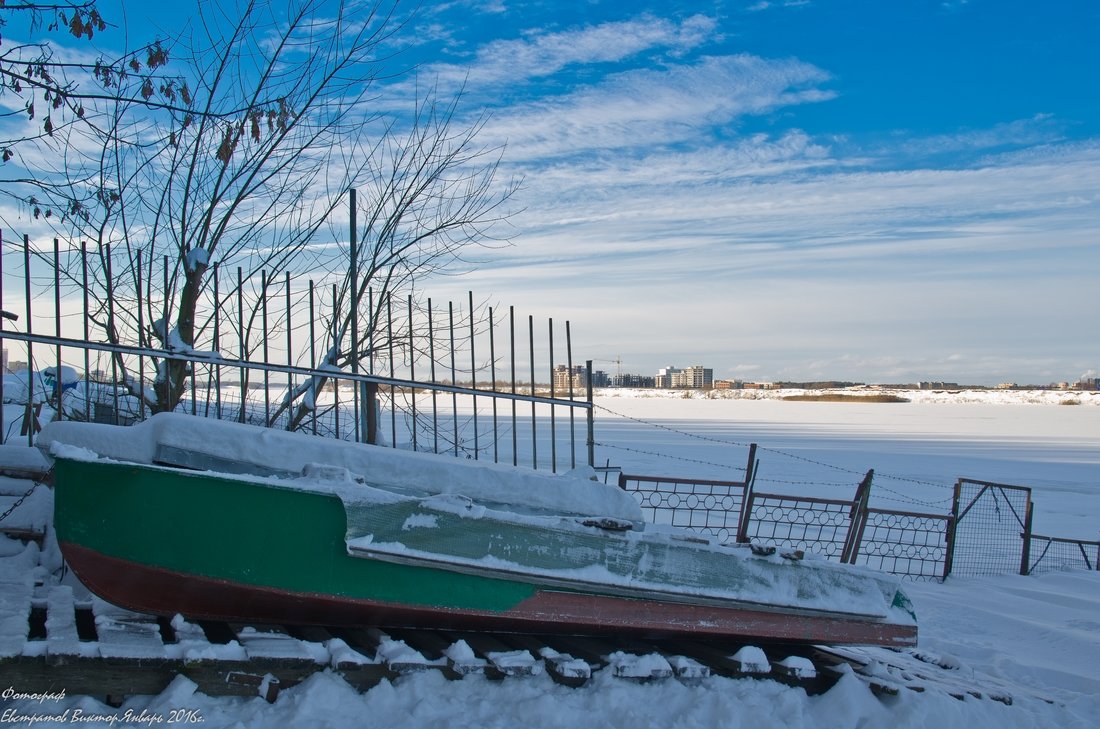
(992, 528)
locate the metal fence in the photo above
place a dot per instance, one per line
(988, 530)
(907, 543)
(993, 527)
(468, 379)
(1051, 554)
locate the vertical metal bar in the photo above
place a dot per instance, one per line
(493, 376)
(572, 408)
(454, 376)
(412, 372)
(553, 415)
(534, 422)
(217, 344)
(353, 302)
(141, 335)
(335, 382)
(28, 415)
(590, 417)
(1025, 551)
(57, 320)
(952, 535)
(192, 365)
(512, 342)
(241, 341)
(87, 333)
(746, 497)
(111, 329)
(263, 346)
(859, 520)
(473, 376)
(393, 389)
(167, 298)
(313, 357)
(435, 393)
(289, 357)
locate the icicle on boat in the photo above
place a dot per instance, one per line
(217, 520)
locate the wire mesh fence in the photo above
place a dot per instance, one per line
(993, 522)
(1052, 554)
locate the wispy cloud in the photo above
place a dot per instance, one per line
(657, 108)
(1037, 130)
(539, 54)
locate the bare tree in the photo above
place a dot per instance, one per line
(166, 193)
(56, 90)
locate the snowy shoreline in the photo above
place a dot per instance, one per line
(868, 393)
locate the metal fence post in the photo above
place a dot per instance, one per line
(368, 413)
(591, 416)
(1025, 550)
(746, 498)
(858, 521)
(949, 546)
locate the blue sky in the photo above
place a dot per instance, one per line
(809, 189)
(799, 190)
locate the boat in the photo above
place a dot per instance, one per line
(215, 520)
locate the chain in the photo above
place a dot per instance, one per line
(18, 502)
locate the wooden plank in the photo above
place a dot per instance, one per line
(62, 640)
(563, 668)
(460, 658)
(503, 660)
(273, 646)
(127, 635)
(398, 657)
(23, 462)
(15, 613)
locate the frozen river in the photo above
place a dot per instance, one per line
(918, 449)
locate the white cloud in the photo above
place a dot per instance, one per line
(540, 54)
(648, 108)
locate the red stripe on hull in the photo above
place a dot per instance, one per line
(164, 592)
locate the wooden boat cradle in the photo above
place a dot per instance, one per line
(97, 649)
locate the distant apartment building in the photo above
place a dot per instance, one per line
(695, 377)
(600, 379)
(627, 380)
(664, 376)
(571, 380)
(728, 385)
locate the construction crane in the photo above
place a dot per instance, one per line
(618, 362)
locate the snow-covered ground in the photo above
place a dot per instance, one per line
(1039, 636)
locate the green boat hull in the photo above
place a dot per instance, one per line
(208, 546)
